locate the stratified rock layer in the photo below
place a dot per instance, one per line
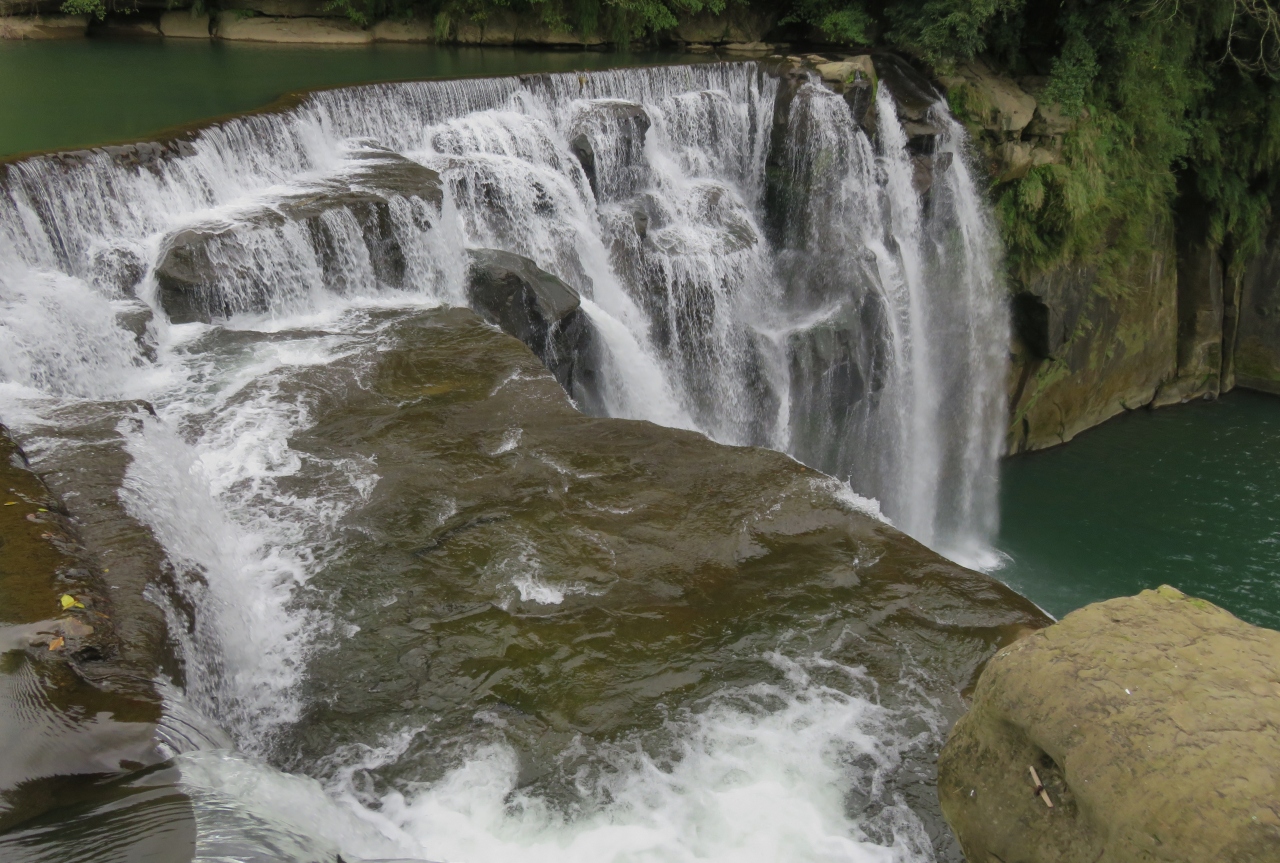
(1152, 721)
(540, 310)
(212, 270)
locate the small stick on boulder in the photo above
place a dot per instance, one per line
(1039, 787)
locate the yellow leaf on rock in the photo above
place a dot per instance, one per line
(57, 643)
(69, 601)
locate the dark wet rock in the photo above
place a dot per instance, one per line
(576, 582)
(540, 310)
(612, 129)
(1151, 722)
(116, 271)
(149, 155)
(210, 272)
(862, 104)
(836, 366)
(912, 91)
(585, 153)
(136, 318)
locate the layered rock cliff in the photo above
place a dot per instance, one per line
(1170, 323)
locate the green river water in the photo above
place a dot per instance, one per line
(1188, 496)
(66, 95)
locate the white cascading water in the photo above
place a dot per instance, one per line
(863, 333)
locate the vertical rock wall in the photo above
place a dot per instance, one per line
(1082, 355)
(1257, 343)
(1176, 324)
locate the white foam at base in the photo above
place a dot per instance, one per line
(762, 776)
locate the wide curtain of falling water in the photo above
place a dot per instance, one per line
(758, 268)
(863, 334)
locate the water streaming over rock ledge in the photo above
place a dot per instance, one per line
(466, 620)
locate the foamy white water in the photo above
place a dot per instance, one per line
(764, 774)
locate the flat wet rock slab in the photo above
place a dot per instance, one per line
(563, 585)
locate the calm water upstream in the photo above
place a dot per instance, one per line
(62, 95)
(1188, 496)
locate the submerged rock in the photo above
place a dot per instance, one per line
(540, 310)
(214, 271)
(71, 700)
(1152, 723)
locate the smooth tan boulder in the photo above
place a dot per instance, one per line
(318, 31)
(132, 27)
(184, 25)
(44, 27)
(1153, 722)
(752, 48)
(850, 69)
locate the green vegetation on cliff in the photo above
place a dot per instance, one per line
(1172, 101)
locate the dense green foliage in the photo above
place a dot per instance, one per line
(1176, 109)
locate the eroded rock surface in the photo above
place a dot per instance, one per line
(540, 310)
(213, 271)
(1151, 720)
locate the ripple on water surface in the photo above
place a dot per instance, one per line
(1187, 496)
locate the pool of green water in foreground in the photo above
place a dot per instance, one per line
(64, 95)
(1187, 496)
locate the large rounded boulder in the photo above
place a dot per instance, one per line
(1153, 724)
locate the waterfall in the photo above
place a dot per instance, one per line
(753, 260)
(792, 289)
